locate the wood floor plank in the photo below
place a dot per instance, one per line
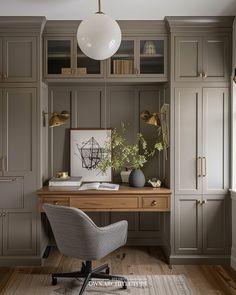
(203, 279)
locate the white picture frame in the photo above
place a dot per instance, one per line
(86, 151)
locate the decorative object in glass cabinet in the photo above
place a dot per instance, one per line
(151, 57)
(58, 57)
(122, 63)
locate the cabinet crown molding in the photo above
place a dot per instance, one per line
(128, 27)
(22, 24)
(187, 23)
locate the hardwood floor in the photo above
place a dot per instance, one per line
(203, 279)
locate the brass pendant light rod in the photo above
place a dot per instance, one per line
(99, 7)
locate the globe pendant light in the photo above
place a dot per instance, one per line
(99, 35)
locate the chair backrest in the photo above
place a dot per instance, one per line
(74, 231)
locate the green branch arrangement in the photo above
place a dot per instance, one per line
(118, 153)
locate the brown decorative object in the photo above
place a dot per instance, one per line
(81, 71)
(66, 71)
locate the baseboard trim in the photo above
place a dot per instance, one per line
(200, 259)
(233, 258)
(21, 261)
(144, 242)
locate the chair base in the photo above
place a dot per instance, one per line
(86, 272)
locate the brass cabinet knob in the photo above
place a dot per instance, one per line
(55, 203)
(200, 75)
(204, 202)
(154, 203)
(204, 75)
(199, 202)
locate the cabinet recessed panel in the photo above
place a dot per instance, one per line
(1, 129)
(187, 140)
(20, 59)
(214, 225)
(11, 192)
(19, 233)
(188, 57)
(187, 225)
(20, 123)
(216, 140)
(215, 61)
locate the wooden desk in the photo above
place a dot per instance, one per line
(127, 198)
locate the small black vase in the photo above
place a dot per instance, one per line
(136, 178)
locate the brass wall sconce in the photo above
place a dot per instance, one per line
(152, 119)
(56, 119)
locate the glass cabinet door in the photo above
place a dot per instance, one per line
(86, 65)
(123, 62)
(59, 57)
(152, 57)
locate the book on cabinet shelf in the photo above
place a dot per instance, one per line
(123, 66)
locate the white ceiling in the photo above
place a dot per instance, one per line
(119, 9)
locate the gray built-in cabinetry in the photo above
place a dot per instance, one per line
(200, 139)
(20, 138)
(142, 55)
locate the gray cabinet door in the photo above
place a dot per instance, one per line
(1, 65)
(215, 224)
(188, 224)
(19, 59)
(216, 59)
(215, 140)
(19, 233)
(20, 137)
(1, 133)
(188, 140)
(188, 58)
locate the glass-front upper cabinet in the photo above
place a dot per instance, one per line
(152, 57)
(87, 66)
(63, 58)
(139, 57)
(123, 62)
(58, 56)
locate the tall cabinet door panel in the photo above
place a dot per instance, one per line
(1, 65)
(216, 59)
(188, 142)
(20, 138)
(214, 224)
(188, 58)
(188, 224)
(19, 233)
(215, 140)
(19, 63)
(1, 132)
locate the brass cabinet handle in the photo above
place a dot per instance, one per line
(154, 203)
(199, 202)
(204, 166)
(55, 202)
(200, 75)
(204, 202)
(204, 75)
(199, 166)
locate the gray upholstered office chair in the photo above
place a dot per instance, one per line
(77, 236)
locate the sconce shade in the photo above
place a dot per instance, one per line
(151, 119)
(99, 36)
(58, 119)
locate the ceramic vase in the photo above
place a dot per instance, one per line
(136, 178)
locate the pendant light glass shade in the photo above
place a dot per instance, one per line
(99, 36)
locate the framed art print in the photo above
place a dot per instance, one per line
(87, 151)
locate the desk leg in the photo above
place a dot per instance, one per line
(47, 252)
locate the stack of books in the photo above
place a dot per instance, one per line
(70, 181)
(123, 66)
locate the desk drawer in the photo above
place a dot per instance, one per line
(61, 201)
(156, 203)
(104, 203)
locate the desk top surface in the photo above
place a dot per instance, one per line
(46, 190)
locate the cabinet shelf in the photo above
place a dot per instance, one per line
(151, 55)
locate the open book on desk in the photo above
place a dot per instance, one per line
(99, 186)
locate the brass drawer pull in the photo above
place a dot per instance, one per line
(154, 203)
(55, 203)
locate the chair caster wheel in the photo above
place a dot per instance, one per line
(54, 281)
(108, 270)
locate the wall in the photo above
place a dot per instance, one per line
(105, 107)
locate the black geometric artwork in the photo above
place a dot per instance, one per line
(91, 153)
